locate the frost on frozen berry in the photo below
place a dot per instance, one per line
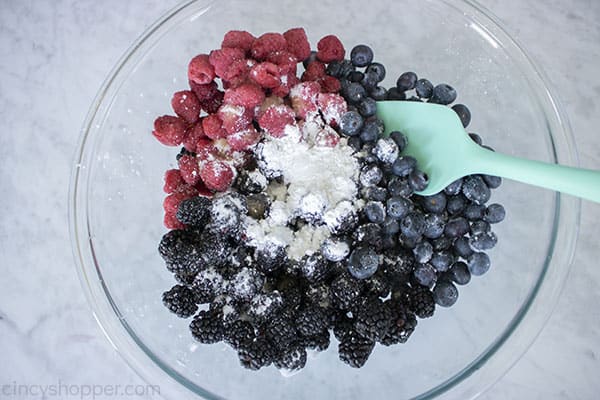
(169, 130)
(234, 118)
(275, 118)
(297, 43)
(332, 107)
(330, 48)
(223, 58)
(217, 175)
(189, 169)
(266, 44)
(386, 150)
(247, 95)
(200, 70)
(304, 98)
(285, 60)
(266, 74)
(237, 73)
(244, 139)
(238, 39)
(186, 105)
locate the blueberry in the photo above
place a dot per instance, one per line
(395, 94)
(375, 212)
(413, 224)
(479, 226)
(462, 248)
(355, 143)
(424, 88)
(475, 189)
(434, 226)
(442, 243)
(442, 260)
(459, 273)
(372, 130)
(399, 187)
(425, 275)
(361, 55)
(494, 213)
(492, 181)
(368, 234)
(456, 227)
(335, 249)
(363, 262)
(389, 242)
(476, 138)
(398, 207)
(404, 165)
(378, 93)
(406, 81)
(386, 150)
(369, 81)
(367, 107)
(445, 293)
(474, 211)
(334, 69)
(390, 226)
(414, 99)
(351, 123)
(454, 187)
(456, 204)
(479, 263)
(355, 76)
(443, 94)
(483, 241)
(423, 252)
(312, 57)
(418, 180)
(463, 113)
(370, 175)
(378, 70)
(435, 203)
(354, 92)
(375, 193)
(400, 139)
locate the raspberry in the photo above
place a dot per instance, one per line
(169, 130)
(268, 102)
(266, 44)
(189, 169)
(266, 74)
(304, 98)
(171, 202)
(314, 71)
(329, 84)
(330, 49)
(194, 133)
(287, 82)
(200, 70)
(286, 61)
(239, 39)
(186, 105)
(205, 149)
(242, 140)
(237, 72)
(216, 175)
(173, 181)
(204, 92)
(212, 105)
(275, 118)
(247, 95)
(222, 59)
(213, 127)
(170, 221)
(332, 107)
(297, 43)
(203, 190)
(235, 118)
(327, 137)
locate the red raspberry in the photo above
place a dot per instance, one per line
(297, 43)
(304, 98)
(186, 105)
(329, 84)
(204, 92)
(247, 95)
(314, 71)
(330, 49)
(240, 39)
(173, 181)
(223, 58)
(171, 222)
(285, 60)
(205, 149)
(171, 202)
(268, 102)
(189, 169)
(200, 71)
(287, 82)
(203, 190)
(213, 127)
(243, 140)
(327, 137)
(235, 118)
(193, 134)
(266, 74)
(237, 72)
(275, 118)
(216, 175)
(267, 43)
(332, 107)
(212, 105)
(169, 130)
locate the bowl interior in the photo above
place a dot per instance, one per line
(439, 40)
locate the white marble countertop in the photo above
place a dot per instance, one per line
(53, 58)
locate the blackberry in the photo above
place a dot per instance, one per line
(246, 283)
(291, 359)
(180, 250)
(180, 301)
(378, 285)
(239, 334)
(291, 290)
(342, 325)
(345, 290)
(207, 327)
(318, 342)
(250, 182)
(355, 349)
(319, 294)
(269, 259)
(372, 319)
(314, 267)
(264, 306)
(311, 320)
(184, 279)
(256, 354)
(280, 330)
(208, 284)
(227, 307)
(368, 234)
(402, 325)
(419, 300)
(226, 213)
(213, 250)
(194, 212)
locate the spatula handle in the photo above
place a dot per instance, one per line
(577, 182)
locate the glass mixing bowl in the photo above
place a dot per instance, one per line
(116, 196)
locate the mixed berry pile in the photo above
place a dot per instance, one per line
(369, 265)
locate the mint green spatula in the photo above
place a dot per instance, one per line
(445, 152)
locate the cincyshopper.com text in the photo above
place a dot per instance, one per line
(62, 390)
